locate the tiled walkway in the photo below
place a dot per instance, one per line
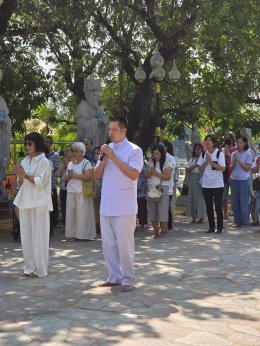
(192, 289)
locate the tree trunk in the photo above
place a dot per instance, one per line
(141, 118)
(7, 8)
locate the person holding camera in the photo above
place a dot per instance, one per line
(212, 165)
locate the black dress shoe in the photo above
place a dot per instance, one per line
(210, 231)
(219, 231)
(254, 224)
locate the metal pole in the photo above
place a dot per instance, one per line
(157, 89)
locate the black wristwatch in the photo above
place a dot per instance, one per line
(26, 176)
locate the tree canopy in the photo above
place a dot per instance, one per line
(215, 45)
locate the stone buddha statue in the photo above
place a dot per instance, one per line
(90, 116)
(5, 136)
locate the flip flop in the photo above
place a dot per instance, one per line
(106, 284)
(32, 275)
(127, 288)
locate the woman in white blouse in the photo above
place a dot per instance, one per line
(158, 172)
(80, 220)
(196, 204)
(34, 203)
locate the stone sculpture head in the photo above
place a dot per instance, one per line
(92, 89)
(246, 132)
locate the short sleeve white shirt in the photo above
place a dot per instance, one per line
(75, 185)
(119, 193)
(177, 161)
(153, 180)
(173, 163)
(37, 194)
(192, 162)
(212, 178)
(254, 164)
(51, 165)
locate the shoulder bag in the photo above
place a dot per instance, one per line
(89, 186)
(154, 193)
(256, 184)
(185, 186)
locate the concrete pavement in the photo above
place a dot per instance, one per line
(192, 289)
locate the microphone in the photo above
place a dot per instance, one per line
(101, 157)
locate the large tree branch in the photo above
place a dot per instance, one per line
(7, 9)
(55, 120)
(183, 109)
(96, 59)
(149, 17)
(63, 61)
(125, 49)
(23, 32)
(253, 100)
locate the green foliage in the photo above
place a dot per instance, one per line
(25, 85)
(215, 45)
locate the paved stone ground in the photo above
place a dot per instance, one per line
(192, 289)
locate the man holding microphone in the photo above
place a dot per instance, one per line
(119, 167)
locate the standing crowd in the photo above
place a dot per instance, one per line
(108, 187)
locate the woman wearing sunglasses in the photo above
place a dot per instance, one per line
(34, 203)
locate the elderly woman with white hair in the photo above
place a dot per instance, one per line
(80, 220)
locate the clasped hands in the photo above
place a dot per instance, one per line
(19, 170)
(208, 159)
(235, 157)
(152, 171)
(71, 174)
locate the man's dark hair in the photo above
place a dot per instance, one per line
(37, 139)
(213, 138)
(50, 138)
(88, 139)
(169, 147)
(245, 140)
(122, 122)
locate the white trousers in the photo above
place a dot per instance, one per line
(80, 218)
(35, 234)
(119, 247)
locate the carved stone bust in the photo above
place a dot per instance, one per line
(5, 136)
(90, 116)
(246, 132)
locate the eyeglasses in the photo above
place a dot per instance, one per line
(29, 143)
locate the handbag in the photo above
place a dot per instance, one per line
(185, 190)
(185, 186)
(256, 184)
(154, 193)
(89, 186)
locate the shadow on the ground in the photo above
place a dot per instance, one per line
(186, 274)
